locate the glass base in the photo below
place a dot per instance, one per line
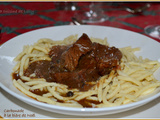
(153, 31)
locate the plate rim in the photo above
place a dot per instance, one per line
(72, 108)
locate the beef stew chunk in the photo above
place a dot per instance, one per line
(71, 56)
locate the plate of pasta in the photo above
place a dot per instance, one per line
(81, 70)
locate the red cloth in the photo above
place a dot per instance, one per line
(20, 17)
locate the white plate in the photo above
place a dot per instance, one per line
(116, 37)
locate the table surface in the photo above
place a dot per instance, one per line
(20, 17)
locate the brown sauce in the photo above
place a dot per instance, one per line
(16, 76)
(88, 103)
(38, 92)
(77, 65)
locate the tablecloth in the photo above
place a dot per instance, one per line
(20, 17)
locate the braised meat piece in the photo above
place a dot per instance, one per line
(78, 79)
(70, 57)
(55, 54)
(87, 62)
(40, 68)
(107, 58)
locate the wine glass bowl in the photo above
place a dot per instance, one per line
(91, 13)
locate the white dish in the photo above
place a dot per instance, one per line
(116, 37)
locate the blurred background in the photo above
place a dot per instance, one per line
(20, 17)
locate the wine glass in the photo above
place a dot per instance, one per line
(91, 13)
(153, 31)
